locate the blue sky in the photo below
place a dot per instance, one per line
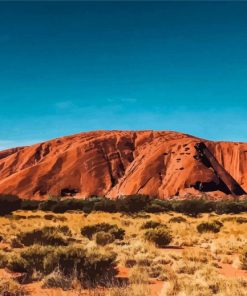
(72, 67)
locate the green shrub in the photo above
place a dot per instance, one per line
(214, 226)
(35, 257)
(69, 204)
(132, 203)
(127, 204)
(29, 204)
(130, 262)
(90, 230)
(158, 205)
(105, 205)
(45, 236)
(15, 243)
(48, 205)
(193, 207)
(160, 236)
(90, 267)
(151, 224)
(154, 208)
(230, 207)
(243, 258)
(9, 203)
(103, 238)
(28, 260)
(178, 219)
(16, 263)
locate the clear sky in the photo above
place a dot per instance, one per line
(71, 67)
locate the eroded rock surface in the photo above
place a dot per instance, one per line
(113, 163)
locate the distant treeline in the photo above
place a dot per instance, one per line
(125, 204)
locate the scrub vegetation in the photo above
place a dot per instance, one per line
(177, 251)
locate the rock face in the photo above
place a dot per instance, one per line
(113, 163)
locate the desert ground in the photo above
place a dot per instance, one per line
(192, 261)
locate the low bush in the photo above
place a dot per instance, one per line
(27, 260)
(9, 287)
(15, 263)
(48, 205)
(153, 208)
(29, 204)
(68, 204)
(103, 238)
(45, 236)
(178, 219)
(127, 204)
(15, 243)
(114, 230)
(214, 226)
(56, 279)
(130, 262)
(105, 205)
(151, 224)
(158, 205)
(8, 204)
(132, 203)
(230, 207)
(241, 220)
(243, 258)
(193, 207)
(3, 259)
(90, 267)
(160, 236)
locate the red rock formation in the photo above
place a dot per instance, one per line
(225, 181)
(114, 163)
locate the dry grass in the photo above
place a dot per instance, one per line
(9, 287)
(189, 267)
